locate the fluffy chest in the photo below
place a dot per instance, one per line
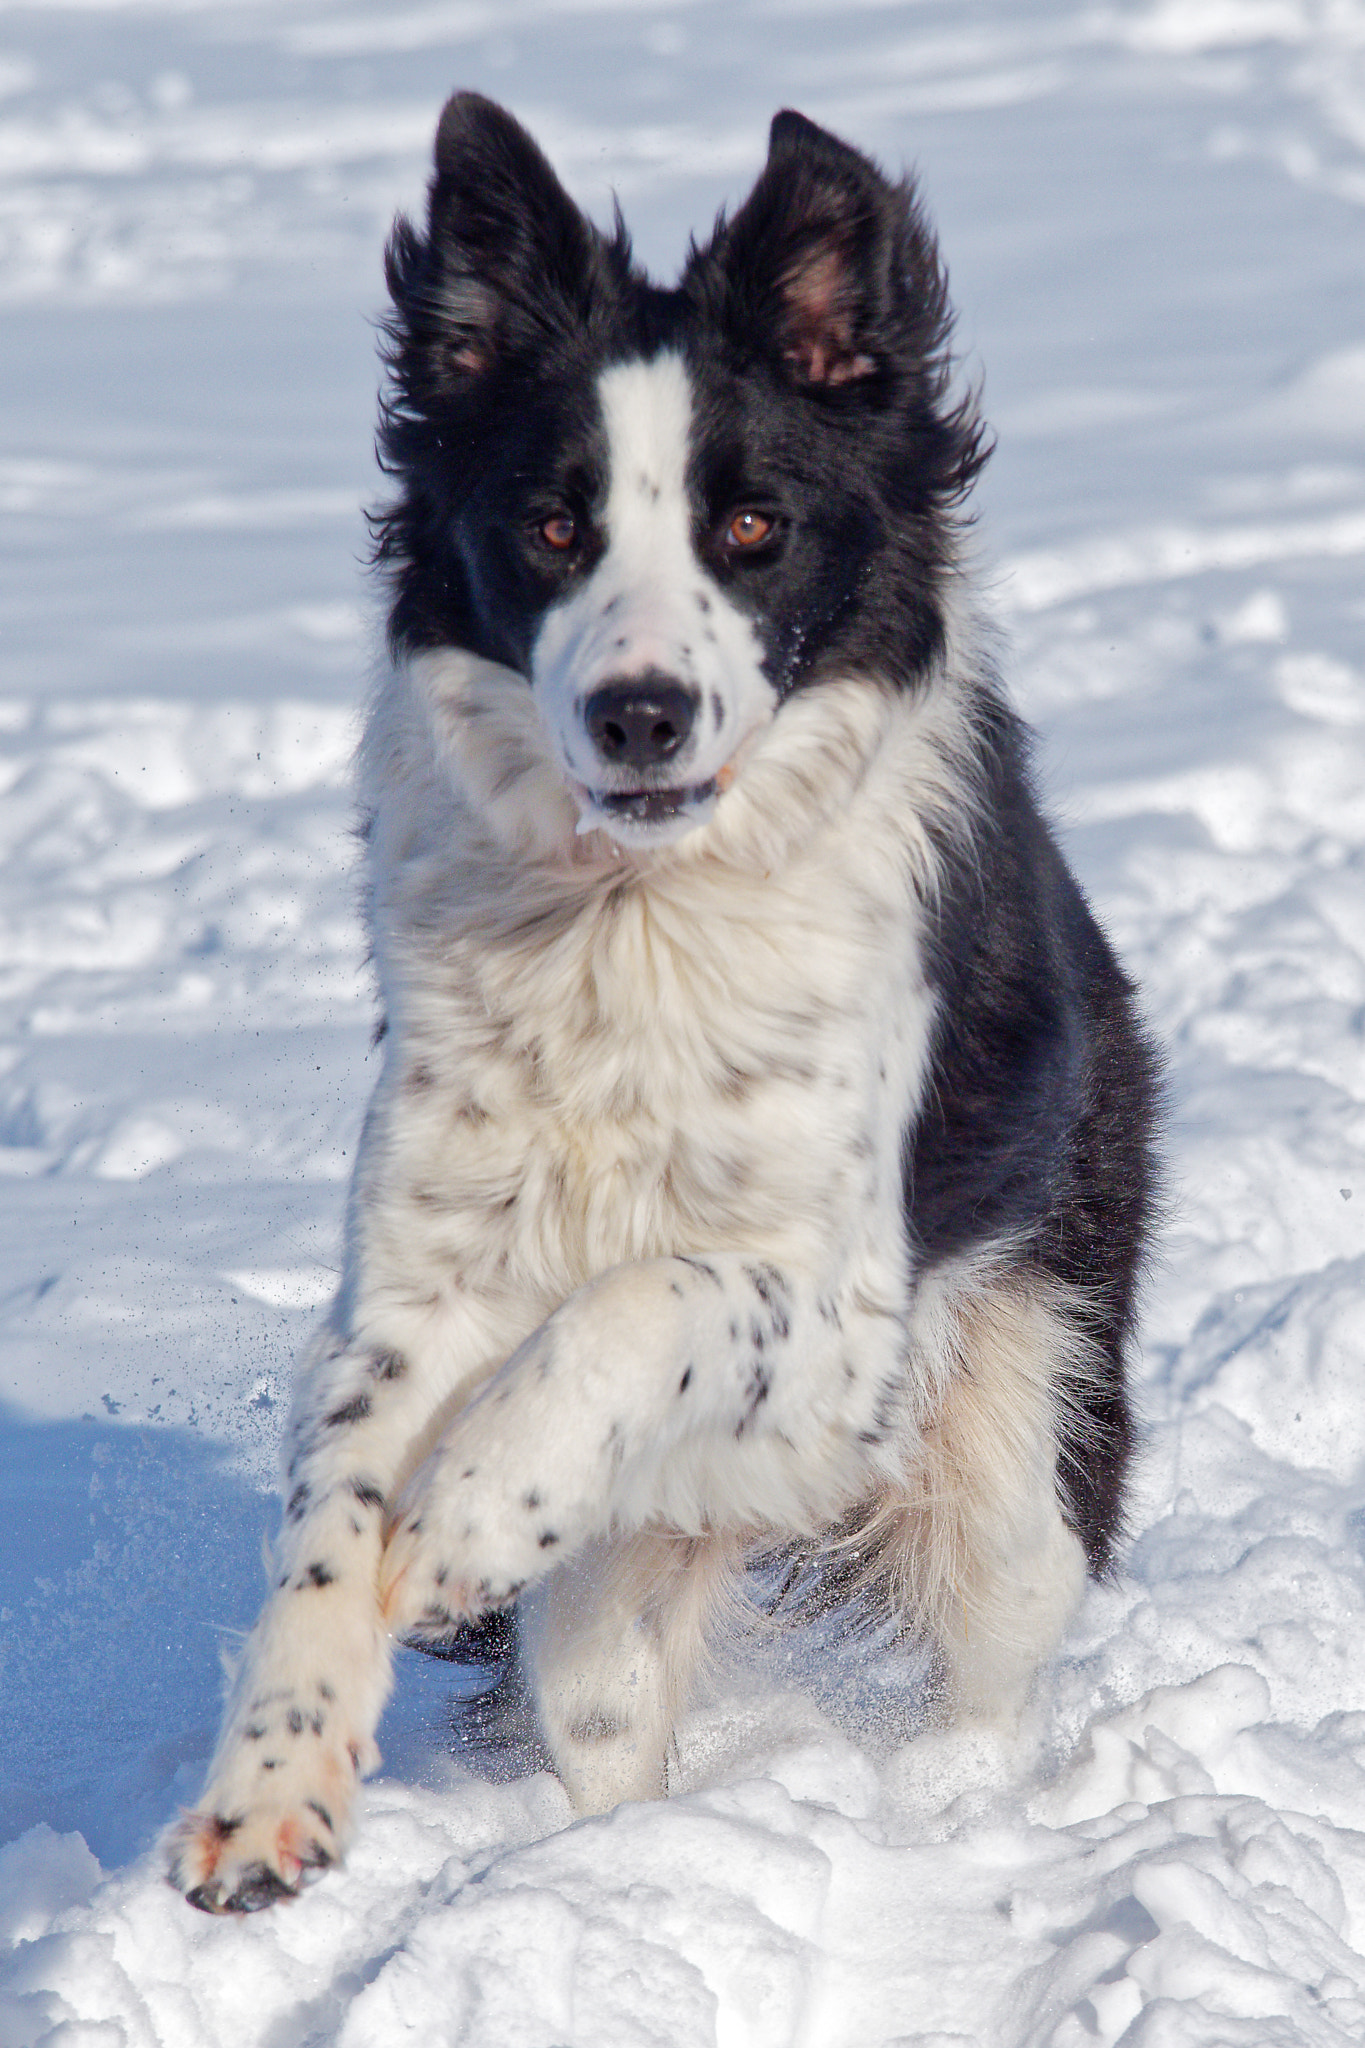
(689, 1062)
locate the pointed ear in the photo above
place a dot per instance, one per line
(508, 261)
(830, 260)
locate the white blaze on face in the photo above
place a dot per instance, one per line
(649, 609)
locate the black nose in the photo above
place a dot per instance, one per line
(639, 723)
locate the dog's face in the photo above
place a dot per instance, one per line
(665, 511)
(619, 603)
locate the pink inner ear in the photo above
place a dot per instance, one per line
(819, 340)
(470, 358)
(471, 310)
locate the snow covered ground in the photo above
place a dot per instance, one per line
(1154, 213)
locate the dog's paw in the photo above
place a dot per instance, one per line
(275, 1814)
(441, 1569)
(475, 1529)
(237, 1863)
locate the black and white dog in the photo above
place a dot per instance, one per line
(762, 1155)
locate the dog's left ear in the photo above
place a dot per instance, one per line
(828, 259)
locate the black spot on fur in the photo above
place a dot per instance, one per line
(315, 1806)
(547, 1539)
(755, 1394)
(318, 1575)
(368, 1494)
(388, 1365)
(531, 1501)
(771, 1290)
(293, 1721)
(597, 1726)
(700, 1266)
(351, 1411)
(298, 1501)
(379, 1034)
(253, 1731)
(685, 1382)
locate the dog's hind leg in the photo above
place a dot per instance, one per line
(974, 1548)
(612, 1643)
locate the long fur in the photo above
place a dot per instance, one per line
(761, 1162)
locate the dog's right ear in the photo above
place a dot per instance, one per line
(507, 263)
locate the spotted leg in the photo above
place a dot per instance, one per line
(692, 1392)
(299, 1729)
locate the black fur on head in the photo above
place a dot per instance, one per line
(814, 326)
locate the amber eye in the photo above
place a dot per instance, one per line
(559, 531)
(747, 529)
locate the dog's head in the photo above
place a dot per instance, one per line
(668, 511)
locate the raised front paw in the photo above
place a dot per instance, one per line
(480, 1522)
(277, 1809)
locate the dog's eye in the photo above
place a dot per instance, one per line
(748, 529)
(559, 531)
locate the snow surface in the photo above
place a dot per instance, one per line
(1153, 212)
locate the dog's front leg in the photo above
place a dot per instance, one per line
(300, 1723)
(688, 1391)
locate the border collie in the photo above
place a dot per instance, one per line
(761, 1161)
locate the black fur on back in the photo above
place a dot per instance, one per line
(1042, 1104)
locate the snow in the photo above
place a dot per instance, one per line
(1152, 210)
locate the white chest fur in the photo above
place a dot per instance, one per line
(595, 1060)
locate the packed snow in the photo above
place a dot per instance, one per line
(1153, 211)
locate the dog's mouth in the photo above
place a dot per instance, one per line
(655, 814)
(652, 806)
(647, 816)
